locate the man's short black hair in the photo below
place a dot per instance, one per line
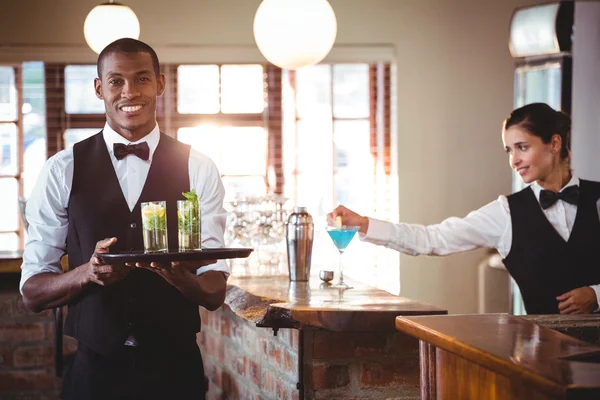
(127, 45)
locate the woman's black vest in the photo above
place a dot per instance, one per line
(541, 262)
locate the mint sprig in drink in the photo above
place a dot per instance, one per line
(154, 226)
(189, 222)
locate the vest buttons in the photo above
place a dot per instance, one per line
(132, 225)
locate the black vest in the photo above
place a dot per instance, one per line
(541, 262)
(143, 304)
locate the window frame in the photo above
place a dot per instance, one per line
(18, 176)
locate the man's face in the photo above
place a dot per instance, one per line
(129, 87)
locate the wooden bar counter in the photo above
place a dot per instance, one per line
(275, 339)
(318, 305)
(10, 261)
(500, 356)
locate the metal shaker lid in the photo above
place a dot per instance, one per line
(300, 216)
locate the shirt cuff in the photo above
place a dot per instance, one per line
(379, 232)
(220, 265)
(597, 290)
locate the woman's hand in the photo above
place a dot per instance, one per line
(348, 218)
(578, 301)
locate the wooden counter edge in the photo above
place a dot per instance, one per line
(284, 315)
(271, 312)
(487, 360)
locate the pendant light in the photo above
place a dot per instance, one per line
(294, 33)
(108, 22)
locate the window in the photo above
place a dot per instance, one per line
(74, 111)
(320, 136)
(221, 105)
(34, 124)
(22, 144)
(80, 96)
(336, 150)
(242, 166)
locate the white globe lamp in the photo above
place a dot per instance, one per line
(108, 22)
(294, 33)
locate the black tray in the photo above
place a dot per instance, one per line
(196, 255)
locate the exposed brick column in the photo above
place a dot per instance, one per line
(26, 348)
(243, 361)
(55, 107)
(274, 125)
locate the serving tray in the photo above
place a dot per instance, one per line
(194, 255)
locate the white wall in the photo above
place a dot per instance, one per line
(454, 86)
(586, 91)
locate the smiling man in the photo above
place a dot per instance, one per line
(135, 325)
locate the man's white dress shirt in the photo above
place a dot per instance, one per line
(489, 226)
(47, 214)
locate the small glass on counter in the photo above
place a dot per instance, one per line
(154, 226)
(188, 224)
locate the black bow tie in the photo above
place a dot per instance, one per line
(570, 195)
(141, 150)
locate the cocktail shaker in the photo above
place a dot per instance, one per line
(299, 236)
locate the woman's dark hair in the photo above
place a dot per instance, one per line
(127, 45)
(543, 121)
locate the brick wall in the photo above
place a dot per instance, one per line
(246, 362)
(243, 361)
(365, 365)
(26, 348)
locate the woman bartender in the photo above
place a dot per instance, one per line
(547, 233)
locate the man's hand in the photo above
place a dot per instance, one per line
(49, 290)
(207, 290)
(176, 271)
(578, 301)
(105, 274)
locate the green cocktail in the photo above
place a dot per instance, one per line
(154, 226)
(189, 222)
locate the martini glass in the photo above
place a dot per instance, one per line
(341, 238)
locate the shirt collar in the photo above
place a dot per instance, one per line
(111, 137)
(537, 188)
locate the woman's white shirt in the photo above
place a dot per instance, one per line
(489, 226)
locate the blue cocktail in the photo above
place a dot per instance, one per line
(341, 238)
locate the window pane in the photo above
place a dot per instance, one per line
(198, 89)
(244, 186)
(313, 91)
(314, 166)
(351, 91)
(9, 204)
(242, 89)
(8, 94)
(8, 149)
(9, 241)
(235, 150)
(34, 123)
(80, 96)
(244, 151)
(73, 136)
(354, 166)
(289, 135)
